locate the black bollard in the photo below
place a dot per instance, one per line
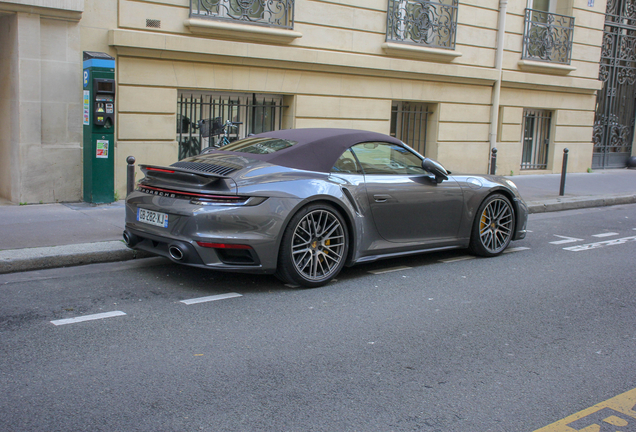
(564, 170)
(493, 161)
(130, 175)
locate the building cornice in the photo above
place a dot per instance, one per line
(243, 32)
(530, 81)
(419, 52)
(545, 67)
(63, 9)
(189, 48)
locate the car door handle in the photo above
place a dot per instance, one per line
(381, 198)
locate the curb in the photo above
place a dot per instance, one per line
(560, 204)
(19, 260)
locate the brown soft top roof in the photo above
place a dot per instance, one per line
(316, 149)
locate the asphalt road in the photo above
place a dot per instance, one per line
(437, 343)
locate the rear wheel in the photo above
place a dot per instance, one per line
(314, 247)
(493, 226)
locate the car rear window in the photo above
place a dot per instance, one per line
(258, 145)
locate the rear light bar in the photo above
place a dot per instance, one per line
(202, 199)
(170, 193)
(223, 245)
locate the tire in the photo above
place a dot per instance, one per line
(314, 247)
(493, 227)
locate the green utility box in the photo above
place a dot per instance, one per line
(99, 127)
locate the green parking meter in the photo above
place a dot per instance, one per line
(99, 127)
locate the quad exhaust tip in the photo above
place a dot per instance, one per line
(176, 253)
(130, 239)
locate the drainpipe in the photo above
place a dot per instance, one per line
(496, 90)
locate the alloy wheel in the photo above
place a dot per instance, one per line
(318, 245)
(495, 225)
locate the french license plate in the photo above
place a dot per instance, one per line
(152, 217)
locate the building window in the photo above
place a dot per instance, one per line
(548, 31)
(408, 124)
(536, 139)
(420, 22)
(201, 118)
(273, 13)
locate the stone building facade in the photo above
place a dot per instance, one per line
(454, 79)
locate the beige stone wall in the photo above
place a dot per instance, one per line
(572, 123)
(147, 95)
(40, 102)
(334, 69)
(8, 106)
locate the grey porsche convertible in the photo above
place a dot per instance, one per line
(304, 203)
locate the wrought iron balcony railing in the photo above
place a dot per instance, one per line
(271, 13)
(547, 37)
(421, 22)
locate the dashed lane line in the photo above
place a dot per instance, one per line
(607, 234)
(211, 298)
(602, 244)
(565, 240)
(98, 316)
(616, 414)
(469, 257)
(389, 270)
(516, 249)
(456, 259)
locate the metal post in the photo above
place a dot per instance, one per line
(130, 175)
(493, 161)
(564, 169)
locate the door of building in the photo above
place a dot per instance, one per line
(614, 121)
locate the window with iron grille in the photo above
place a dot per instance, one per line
(422, 22)
(408, 124)
(548, 31)
(202, 118)
(273, 13)
(536, 139)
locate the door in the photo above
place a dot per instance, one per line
(615, 102)
(407, 205)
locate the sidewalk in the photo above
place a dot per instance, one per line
(34, 237)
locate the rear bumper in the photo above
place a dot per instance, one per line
(191, 254)
(258, 227)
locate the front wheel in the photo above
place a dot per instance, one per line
(314, 247)
(493, 226)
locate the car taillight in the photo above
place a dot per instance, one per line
(223, 245)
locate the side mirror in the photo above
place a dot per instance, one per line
(436, 169)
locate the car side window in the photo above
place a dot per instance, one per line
(385, 158)
(346, 164)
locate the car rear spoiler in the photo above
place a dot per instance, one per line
(157, 171)
(185, 179)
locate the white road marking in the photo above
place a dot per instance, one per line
(389, 270)
(516, 249)
(600, 244)
(459, 258)
(607, 234)
(87, 318)
(566, 240)
(210, 298)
